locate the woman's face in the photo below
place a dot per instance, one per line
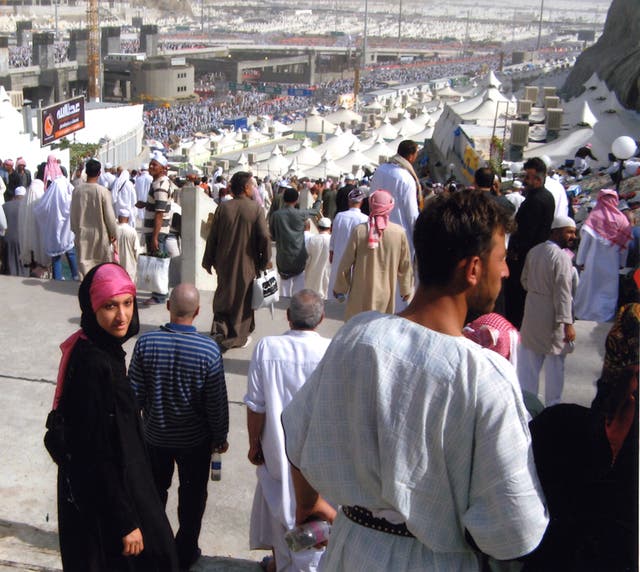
(114, 316)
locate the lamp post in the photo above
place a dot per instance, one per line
(623, 148)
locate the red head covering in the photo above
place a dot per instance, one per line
(52, 169)
(494, 332)
(608, 221)
(107, 281)
(380, 207)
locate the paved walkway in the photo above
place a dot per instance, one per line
(37, 315)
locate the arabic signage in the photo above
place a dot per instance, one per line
(61, 119)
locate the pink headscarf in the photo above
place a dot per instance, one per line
(51, 170)
(108, 281)
(608, 221)
(380, 207)
(21, 161)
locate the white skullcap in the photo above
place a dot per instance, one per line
(517, 184)
(20, 191)
(124, 212)
(324, 222)
(144, 167)
(546, 160)
(108, 166)
(159, 158)
(563, 221)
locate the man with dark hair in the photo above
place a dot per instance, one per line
(238, 247)
(280, 365)
(399, 178)
(485, 180)
(287, 230)
(533, 220)
(418, 433)
(93, 220)
(157, 214)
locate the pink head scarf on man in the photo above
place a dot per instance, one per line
(608, 221)
(380, 206)
(52, 170)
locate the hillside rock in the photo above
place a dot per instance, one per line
(615, 57)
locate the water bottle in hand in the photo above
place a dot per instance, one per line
(307, 535)
(216, 467)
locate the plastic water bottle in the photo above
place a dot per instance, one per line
(307, 535)
(216, 467)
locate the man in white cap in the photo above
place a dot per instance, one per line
(128, 243)
(547, 332)
(343, 225)
(157, 216)
(142, 185)
(107, 176)
(515, 197)
(317, 270)
(556, 188)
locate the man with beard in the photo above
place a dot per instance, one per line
(547, 332)
(418, 433)
(533, 221)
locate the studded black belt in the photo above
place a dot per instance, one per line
(364, 517)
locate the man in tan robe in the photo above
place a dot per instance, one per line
(92, 220)
(237, 248)
(377, 257)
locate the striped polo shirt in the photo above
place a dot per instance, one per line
(178, 379)
(158, 200)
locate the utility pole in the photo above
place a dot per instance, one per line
(399, 27)
(540, 25)
(93, 50)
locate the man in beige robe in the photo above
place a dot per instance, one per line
(547, 333)
(92, 220)
(377, 257)
(237, 248)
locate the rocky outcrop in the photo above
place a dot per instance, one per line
(615, 57)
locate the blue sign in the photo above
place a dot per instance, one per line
(299, 92)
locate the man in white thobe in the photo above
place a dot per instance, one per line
(317, 270)
(280, 365)
(547, 331)
(343, 225)
(418, 433)
(142, 185)
(399, 178)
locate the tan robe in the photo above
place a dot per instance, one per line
(237, 247)
(94, 224)
(369, 275)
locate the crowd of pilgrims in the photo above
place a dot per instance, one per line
(48, 190)
(208, 114)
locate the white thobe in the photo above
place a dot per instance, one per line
(423, 428)
(516, 199)
(597, 293)
(343, 225)
(142, 186)
(125, 198)
(317, 271)
(556, 188)
(547, 277)
(106, 179)
(402, 186)
(279, 367)
(128, 249)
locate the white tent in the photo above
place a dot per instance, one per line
(344, 115)
(407, 126)
(326, 168)
(379, 149)
(306, 156)
(386, 130)
(314, 123)
(355, 157)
